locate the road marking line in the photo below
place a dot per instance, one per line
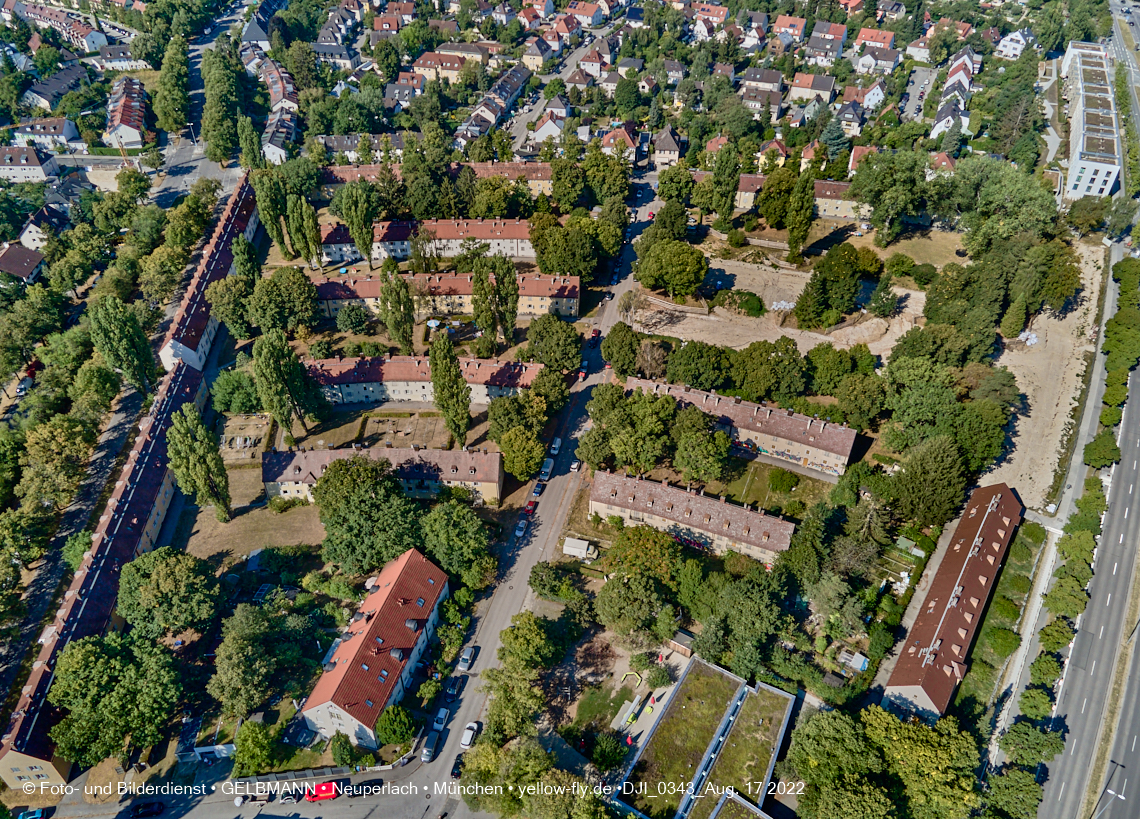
(1109, 601)
(1129, 489)
(1099, 636)
(1083, 704)
(1073, 749)
(1062, 793)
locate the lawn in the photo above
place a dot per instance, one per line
(599, 705)
(743, 764)
(679, 743)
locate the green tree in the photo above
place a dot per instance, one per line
(171, 98)
(522, 452)
(254, 749)
(167, 592)
(1014, 319)
(251, 157)
(799, 214)
(197, 464)
(397, 309)
(883, 302)
(271, 197)
(1026, 744)
(161, 273)
(1056, 635)
(628, 604)
(1102, 450)
(243, 669)
(619, 348)
(675, 184)
(834, 139)
(1035, 704)
(284, 301)
(456, 540)
(452, 395)
(285, 390)
(643, 550)
(1014, 793)
(773, 199)
(553, 342)
(894, 185)
(367, 519)
(117, 336)
(118, 691)
(234, 391)
(352, 318)
(933, 482)
(229, 303)
(675, 266)
(53, 462)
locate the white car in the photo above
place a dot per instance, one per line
(520, 530)
(440, 719)
(466, 657)
(469, 734)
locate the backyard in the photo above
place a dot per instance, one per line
(679, 742)
(748, 752)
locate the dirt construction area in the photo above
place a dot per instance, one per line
(1049, 375)
(773, 284)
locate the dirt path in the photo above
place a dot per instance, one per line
(1049, 375)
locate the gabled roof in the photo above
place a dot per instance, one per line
(17, 260)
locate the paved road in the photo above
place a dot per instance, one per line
(40, 594)
(185, 153)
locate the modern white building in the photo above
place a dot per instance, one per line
(1094, 135)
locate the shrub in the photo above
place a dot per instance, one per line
(1005, 609)
(795, 508)
(352, 318)
(74, 549)
(321, 349)
(640, 662)
(736, 238)
(343, 753)
(658, 677)
(1033, 532)
(1020, 553)
(616, 521)
(722, 225)
(608, 752)
(1110, 416)
(1002, 641)
(751, 222)
(781, 480)
(1018, 583)
(279, 504)
(923, 274)
(740, 301)
(351, 349)
(1056, 636)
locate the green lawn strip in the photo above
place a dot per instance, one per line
(678, 745)
(599, 705)
(748, 750)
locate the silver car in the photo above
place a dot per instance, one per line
(466, 657)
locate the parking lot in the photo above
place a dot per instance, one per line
(912, 107)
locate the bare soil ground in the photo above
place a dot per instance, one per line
(924, 245)
(243, 437)
(773, 284)
(252, 526)
(1049, 375)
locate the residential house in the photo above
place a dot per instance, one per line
(551, 38)
(714, 145)
(667, 150)
(372, 664)
(421, 472)
(592, 63)
(280, 134)
(435, 66)
(647, 85)
(48, 134)
(256, 29)
(118, 58)
(536, 53)
(1095, 149)
(26, 165)
(503, 14)
(468, 51)
(630, 64)
(398, 97)
(588, 15)
(947, 115)
(792, 26)
(579, 79)
(63, 195)
(874, 37)
(851, 6)
(870, 97)
(850, 116)
(282, 92)
(858, 154)
(530, 19)
(799, 117)
(545, 8)
(559, 106)
(781, 43)
(819, 51)
(408, 378)
(406, 10)
(876, 60)
(714, 524)
(764, 79)
(21, 263)
(756, 99)
(941, 163)
(674, 71)
(126, 114)
(772, 154)
(725, 71)
(620, 140)
(548, 126)
(833, 201)
(891, 11)
(920, 49)
(830, 31)
(1013, 44)
(567, 27)
(752, 21)
(340, 57)
(42, 225)
(808, 86)
(635, 17)
(967, 56)
(386, 22)
(933, 659)
(47, 93)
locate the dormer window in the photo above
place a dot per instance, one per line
(420, 602)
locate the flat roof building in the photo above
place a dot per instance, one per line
(1094, 132)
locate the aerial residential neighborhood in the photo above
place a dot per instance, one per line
(568, 410)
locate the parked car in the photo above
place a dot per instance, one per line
(440, 719)
(538, 487)
(323, 791)
(575, 465)
(520, 530)
(465, 658)
(469, 733)
(287, 798)
(451, 690)
(457, 767)
(556, 446)
(594, 336)
(531, 507)
(430, 743)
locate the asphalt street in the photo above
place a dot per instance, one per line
(914, 85)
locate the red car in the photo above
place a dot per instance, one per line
(650, 214)
(322, 791)
(530, 507)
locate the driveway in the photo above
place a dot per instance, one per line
(912, 108)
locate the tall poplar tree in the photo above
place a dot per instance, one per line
(197, 465)
(282, 383)
(251, 157)
(358, 206)
(397, 308)
(271, 204)
(484, 307)
(798, 218)
(117, 336)
(245, 260)
(452, 393)
(172, 98)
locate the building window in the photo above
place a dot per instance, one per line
(364, 666)
(15, 770)
(420, 602)
(41, 776)
(383, 675)
(34, 768)
(368, 703)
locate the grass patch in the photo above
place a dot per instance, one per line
(599, 705)
(681, 739)
(732, 810)
(749, 749)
